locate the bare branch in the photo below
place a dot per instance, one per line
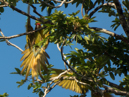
(52, 87)
(34, 10)
(86, 12)
(3, 5)
(82, 10)
(65, 2)
(62, 2)
(63, 55)
(26, 33)
(111, 34)
(123, 22)
(9, 43)
(111, 90)
(22, 12)
(116, 86)
(97, 8)
(55, 78)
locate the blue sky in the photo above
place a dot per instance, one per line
(12, 23)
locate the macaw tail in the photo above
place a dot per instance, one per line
(33, 59)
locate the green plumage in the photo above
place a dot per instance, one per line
(34, 56)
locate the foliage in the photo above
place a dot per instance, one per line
(4, 95)
(99, 56)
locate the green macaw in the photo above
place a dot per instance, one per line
(34, 56)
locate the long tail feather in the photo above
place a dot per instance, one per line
(30, 61)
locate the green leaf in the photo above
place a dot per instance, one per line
(29, 86)
(79, 37)
(4, 95)
(112, 75)
(18, 70)
(68, 57)
(13, 73)
(66, 5)
(20, 83)
(1, 9)
(45, 31)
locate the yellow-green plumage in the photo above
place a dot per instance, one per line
(34, 56)
(72, 84)
(69, 83)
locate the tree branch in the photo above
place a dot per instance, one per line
(62, 2)
(9, 43)
(86, 12)
(65, 2)
(22, 12)
(34, 10)
(116, 86)
(83, 77)
(55, 78)
(3, 5)
(122, 17)
(111, 90)
(82, 10)
(26, 33)
(111, 34)
(63, 55)
(97, 8)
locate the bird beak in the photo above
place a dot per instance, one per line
(37, 26)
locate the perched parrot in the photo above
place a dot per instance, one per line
(72, 84)
(34, 56)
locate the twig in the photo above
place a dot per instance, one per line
(9, 43)
(86, 12)
(62, 2)
(22, 12)
(97, 8)
(123, 22)
(53, 86)
(63, 55)
(34, 10)
(26, 33)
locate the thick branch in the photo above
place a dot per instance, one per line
(111, 90)
(116, 86)
(122, 17)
